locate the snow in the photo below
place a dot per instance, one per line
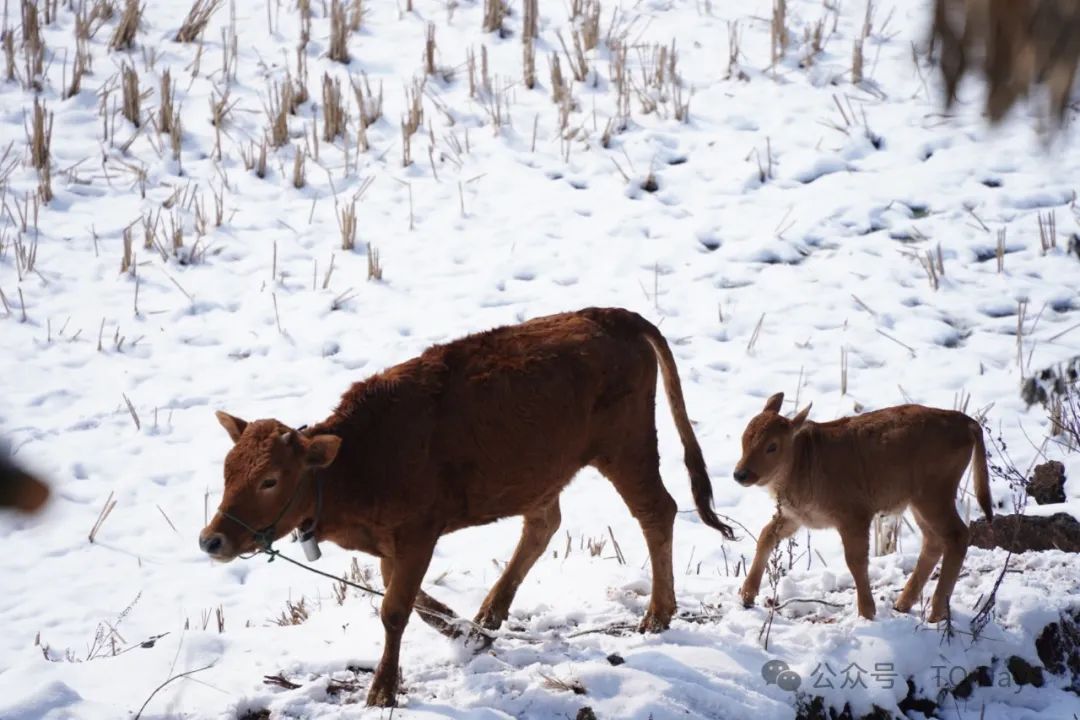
(759, 284)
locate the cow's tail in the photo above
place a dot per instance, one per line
(982, 476)
(700, 486)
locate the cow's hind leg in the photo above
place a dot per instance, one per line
(929, 555)
(636, 476)
(954, 537)
(536, 532)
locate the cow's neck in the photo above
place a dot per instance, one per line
(794, 479)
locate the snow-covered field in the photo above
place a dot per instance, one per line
(761, 284)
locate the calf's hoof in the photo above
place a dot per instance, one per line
(478, 641)
(902, 605)
(937, 615)
(382, 695)
(490, 619)
(654, 623)
(868, 610)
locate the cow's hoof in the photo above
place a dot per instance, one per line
(938, 615)
(381, 695)
(478, 641)
(653, 623)
(868, 610)
(490, 619)
(903, 606)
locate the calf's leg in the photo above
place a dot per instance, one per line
(954, 535)
(929, 555)
(440, 617)
(536, 532)
(855, 535)
(636, 477)
(779, 528)
(409, 564)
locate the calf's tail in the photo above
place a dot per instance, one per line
(700, 486)
(982, 477)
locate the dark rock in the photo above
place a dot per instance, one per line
(1047, 485)
(1059, 647)
(980, 676)
(615, 659)
(585, 713)
(1023, 672)
(910, 702)
(1022, 533)
(815, 709)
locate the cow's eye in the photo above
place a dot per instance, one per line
(771, 448)
(268, 483)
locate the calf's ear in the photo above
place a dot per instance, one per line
(233, 425)
(798, 420)
(322, 450)
(774, 403)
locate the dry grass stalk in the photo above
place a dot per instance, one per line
(778, 31)
(334, 116)
(8, 42)
(197, 18)
(300, 92)
(857, 61)
(530, 14)
(554, 683)
(81, 66)
(579, 66)
(590, 25)
(277, 111)
(124, 35)
(176, 135)
(1016, 45)
(356, 15)
(559, 88)
(33, 46)
(254, 157)
(166, 110)
(368, 104)
(41, 126)
(429, 50)
(1000, 250)
(298, 178)
(470, 60)
(494, 12)
(528, 61)
(106, 509)
(295, 613)
(44, 188)
(131, 105)
(220, 107)
(347, 227)
(1047, 231)
(339, 33)
(304, 7)
(374, 264)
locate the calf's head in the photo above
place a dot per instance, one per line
(268, 485)
(767, 443)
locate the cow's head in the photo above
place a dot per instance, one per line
(767, 443)
(267, 484)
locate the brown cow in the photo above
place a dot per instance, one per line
(842, 473)
(489, 426)
(19, 489)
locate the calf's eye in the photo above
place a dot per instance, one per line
(268, 483)
(771, 448)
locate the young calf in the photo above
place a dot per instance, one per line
(489, 426)
(19, 489)
(841, 473)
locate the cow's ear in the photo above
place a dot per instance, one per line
(798, 421)
(322, 450)
(774, 403)
(233, 425)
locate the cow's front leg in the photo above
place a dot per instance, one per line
(777, 529)
(855, 535)
(410, 562)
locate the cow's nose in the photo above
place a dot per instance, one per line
(741, 475)
(212, 543)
